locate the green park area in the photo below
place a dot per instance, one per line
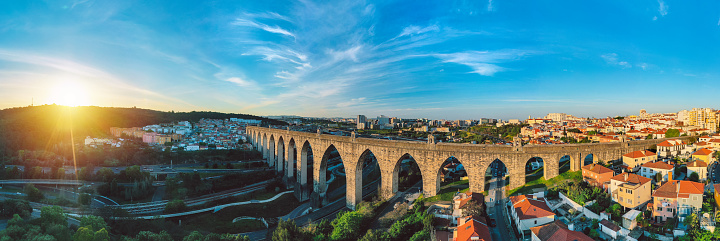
(542, 184)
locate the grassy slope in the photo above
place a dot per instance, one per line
(545, 184)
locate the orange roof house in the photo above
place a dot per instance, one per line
(634, 160)
(667, 197)
(630, 190)
(475, 228)
(597, 175)
(557, 231)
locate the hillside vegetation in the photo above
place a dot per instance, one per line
(48, 127)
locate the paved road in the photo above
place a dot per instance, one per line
(497, 191)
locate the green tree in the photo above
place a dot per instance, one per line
(616, 210)
(194, 236)
(347, 226)
(96, 223)
(670, 133)
(85, 174)
(33, 194)
(101, 235)
(175, 206)
(53, 215)
(658, 177)
(694, 177)
(84, 234)
(421, 236)
(287, 231)
(84, 199)
(105, 174)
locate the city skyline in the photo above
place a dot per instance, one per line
(446, 60)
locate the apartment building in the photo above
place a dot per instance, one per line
(597, 175)
(677, 198)
(630, 190)
(529, 211)
(671, 148)
(651, 169)
(633, 160)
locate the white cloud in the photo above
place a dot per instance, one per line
(271, 29)
(644, 66)
(484, 62)
(718, 22)
(490, 7)
(612, 59)
(350, 53)
(352, 102)
(268, 15)
(416, 30)
(239, 81)
(663, 8)
(654, 18)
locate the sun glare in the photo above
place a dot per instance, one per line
(69, 94)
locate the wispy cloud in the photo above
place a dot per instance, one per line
(271, 29)
(81, 71)
(612, 59)
(485, 62)
(417, 30)
(352, 102)
(663, 8)
(267, 15)
(490, 7)
(533, 100)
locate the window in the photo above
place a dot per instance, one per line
(630, 201)
(535, 221)
(659, 209)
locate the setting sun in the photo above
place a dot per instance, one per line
(69, 93)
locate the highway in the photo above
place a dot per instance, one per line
(159, 206)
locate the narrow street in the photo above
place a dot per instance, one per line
(495, 210)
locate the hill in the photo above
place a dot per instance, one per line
(45, 127)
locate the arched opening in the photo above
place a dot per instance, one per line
(496, 179)
(407, 175)
(370, 177)
(271, 151)
(589, 159)
(534, 169)
(304, 173)
(291, 160)
(331, 179)
(264, 147)
(280, 156)
(452, 177)
(564, 164)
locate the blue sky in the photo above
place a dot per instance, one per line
(434, 59)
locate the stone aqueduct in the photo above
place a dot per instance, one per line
(429, 156)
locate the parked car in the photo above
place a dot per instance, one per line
(492, 222)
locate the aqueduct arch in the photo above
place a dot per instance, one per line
(429, 157)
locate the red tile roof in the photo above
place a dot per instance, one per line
(658, 165)
(631, 178)
(473, 229)
(595, 168)
(697, 163)
(673, 142)
(638, 154)
(702, 152)
(675, 189)
(558, 231)
(528, 208)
